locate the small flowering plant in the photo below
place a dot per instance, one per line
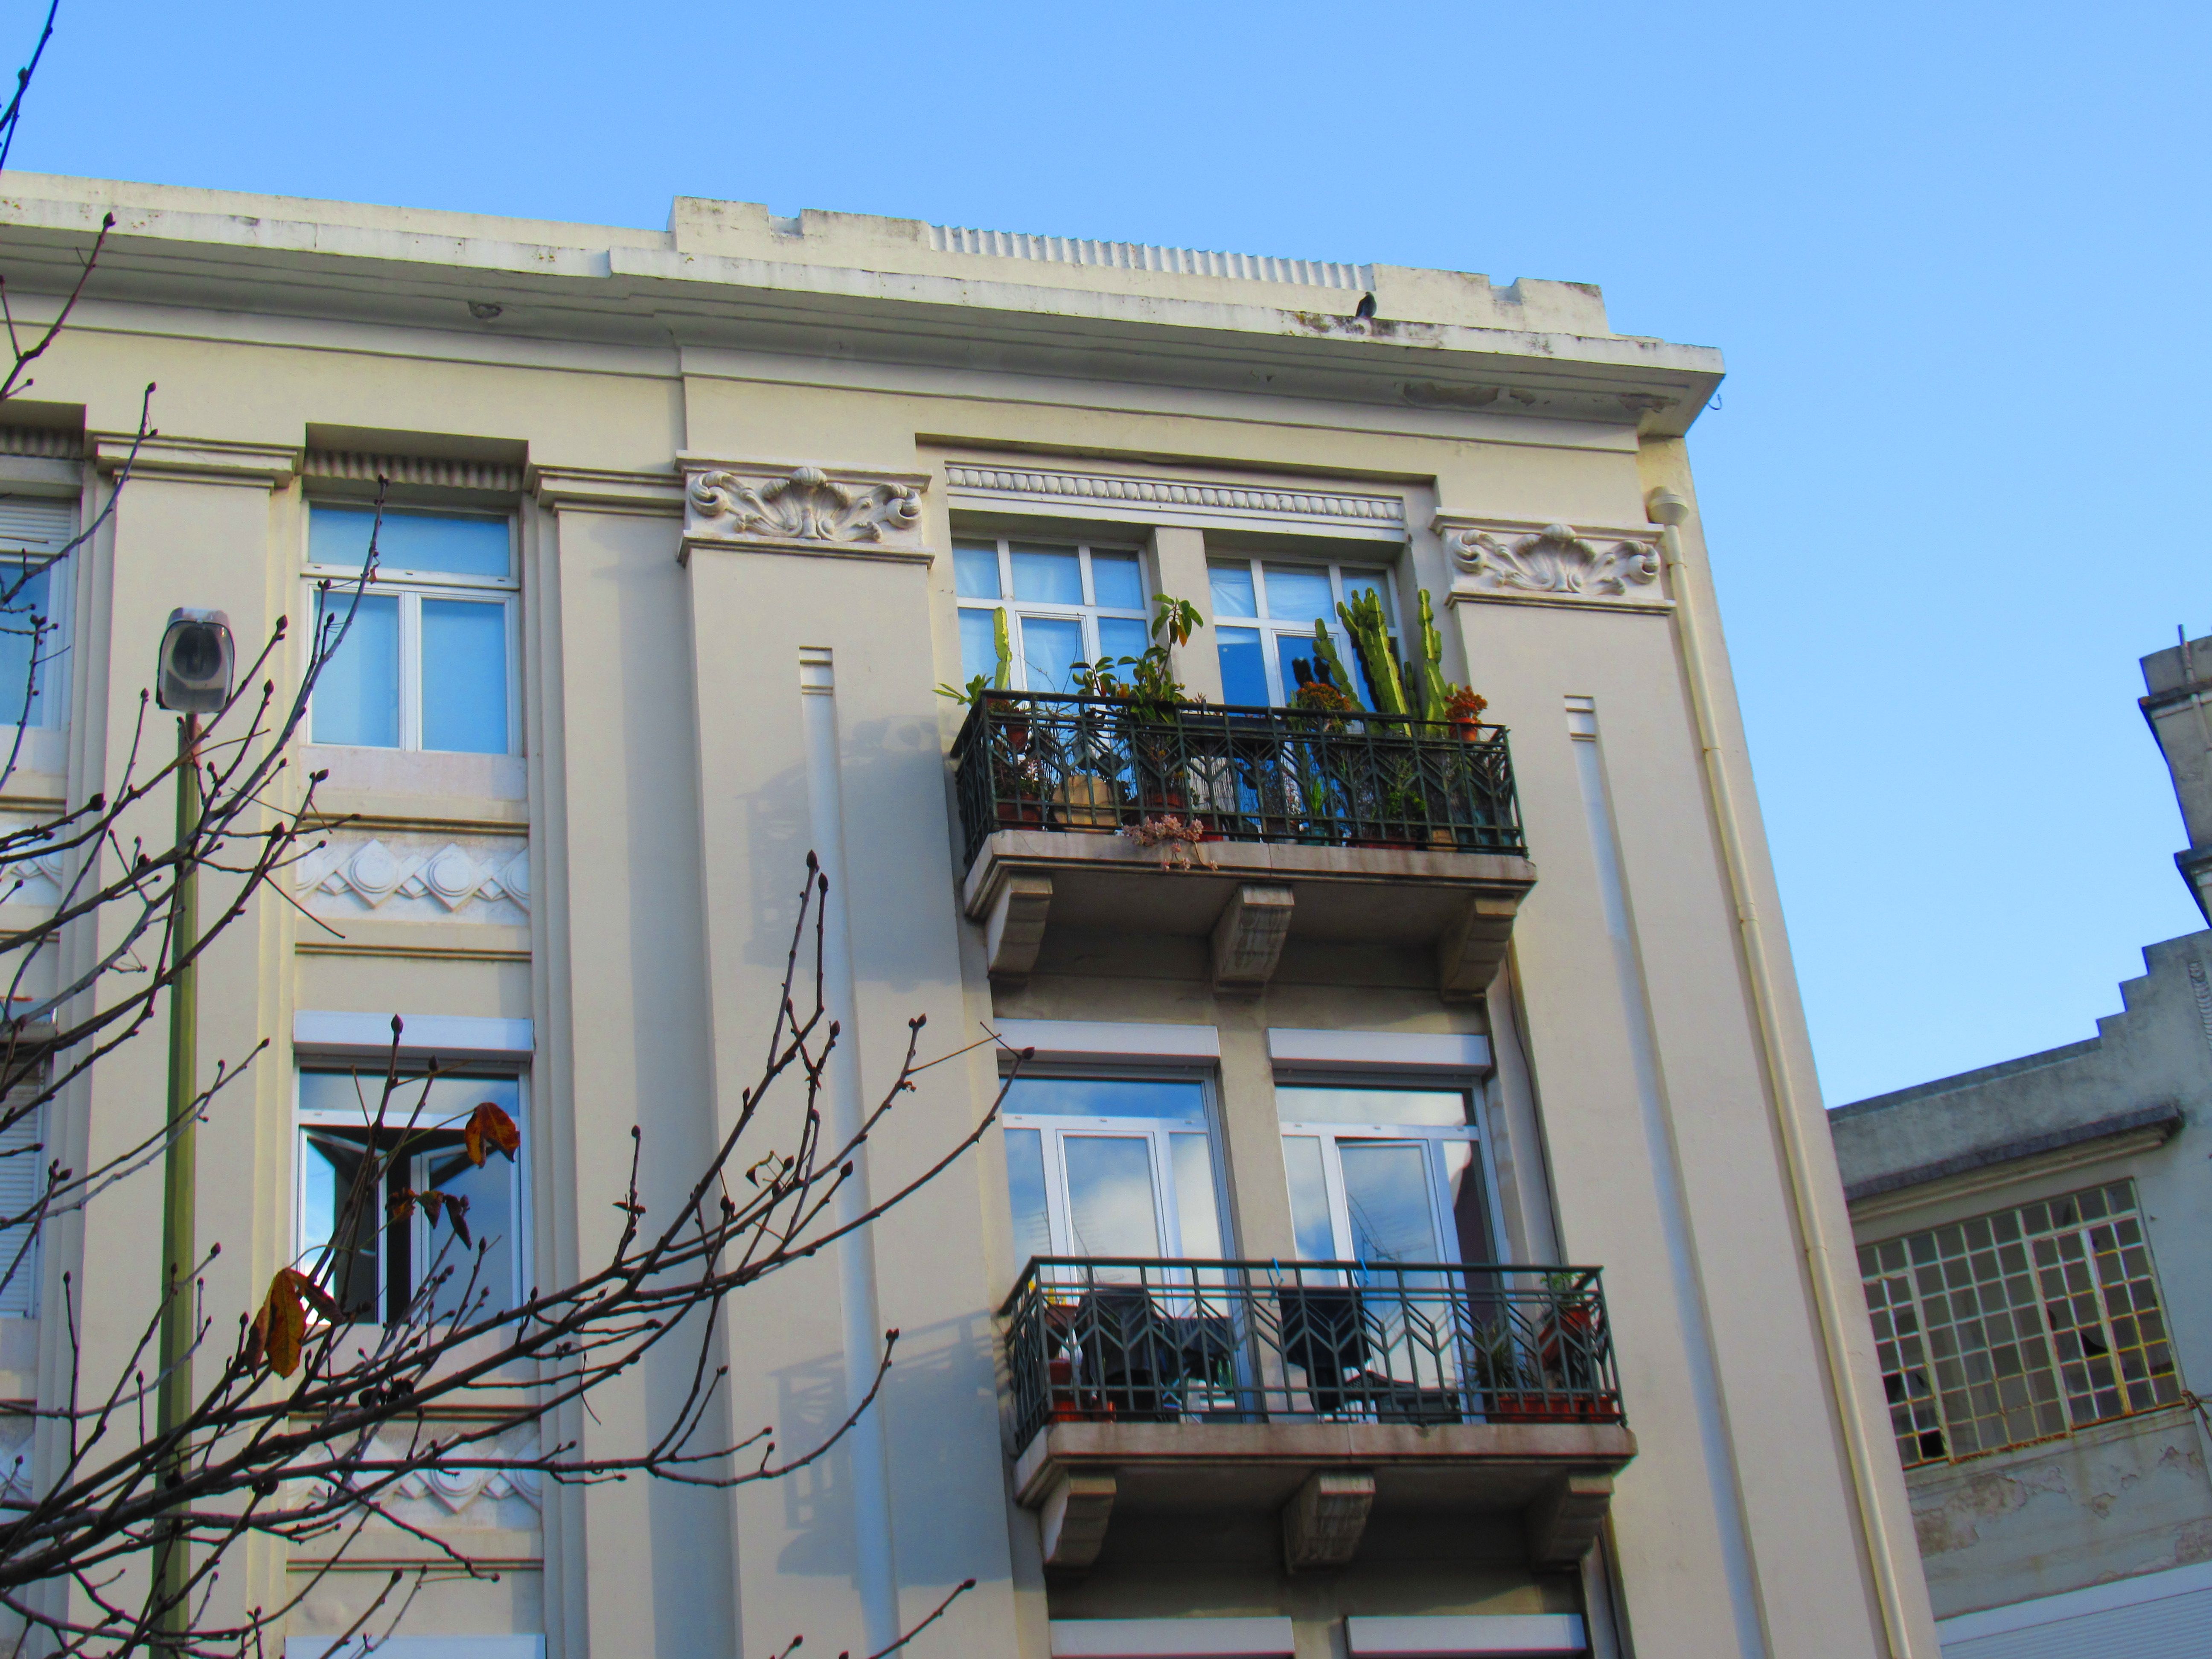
(1464, 705)
(1180, 840)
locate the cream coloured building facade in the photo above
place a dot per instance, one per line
(688, 527)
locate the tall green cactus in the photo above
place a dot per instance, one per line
(1371, 636)
(1003, 643)
(1325, 648)
(1435, 689)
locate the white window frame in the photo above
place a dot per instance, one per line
(49, 711)
(22, 1178)
(1087, 614)
(1270, 628)
(411, 587)
(1167, 1217)
(371, 1074)
(1431, 1139)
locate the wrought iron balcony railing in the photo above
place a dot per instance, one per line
(1102, 764)
(1095, 1340)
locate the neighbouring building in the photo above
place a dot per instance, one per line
(687, 527)
(2034, 1238)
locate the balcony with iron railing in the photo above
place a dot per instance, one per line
(1276, 823)
(1315, 1391)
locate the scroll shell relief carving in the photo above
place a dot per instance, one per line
(807, 505)
(1555, 563)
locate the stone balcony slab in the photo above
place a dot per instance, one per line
(1248, 896)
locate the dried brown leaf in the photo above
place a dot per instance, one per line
(488, 1127)
(281, 1326)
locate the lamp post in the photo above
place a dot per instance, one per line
(193, 678)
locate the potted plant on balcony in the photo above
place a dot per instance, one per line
(1151, 696)
(1016, 776)
(1566, 1353)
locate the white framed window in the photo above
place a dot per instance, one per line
(1264, 612)
(382, 1262)
(22, 1178)
(1099, 1165)
(431, 661)
(1385, 1174)
(1064, 603)
(34, 529)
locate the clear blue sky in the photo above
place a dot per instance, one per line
(1955, 255)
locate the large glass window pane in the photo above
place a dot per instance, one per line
(1116, 583)
(329, 1164)
(1309, 1221)
(1109, 1195)
(464, 676)
(1386, 1195)
(1053, 574)
(1441, 1108)
(979, 645)
(1369, 581)
(1295, 647)
(1025, 1188)
(447, 544)
(481, 1276)
(1232, 589)
(357, 696)
(1051, 647)
(1181, 1100)
(976, 570)
(18, 639)
(1470, 1204)
(1243, 671)
(340, 535)
(1196, 1215)
(1123, 636)
(1299, 593)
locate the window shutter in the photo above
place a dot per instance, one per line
(20, 1177)
(37, 525)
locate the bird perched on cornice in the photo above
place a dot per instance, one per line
(1365, 312)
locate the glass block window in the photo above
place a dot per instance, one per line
(2019, 1326)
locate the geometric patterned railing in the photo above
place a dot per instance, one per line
(1050, 762)
(1098, 1340)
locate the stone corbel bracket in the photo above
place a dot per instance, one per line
(804, 509)
(1525, 563)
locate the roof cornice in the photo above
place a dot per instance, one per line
(633, 287)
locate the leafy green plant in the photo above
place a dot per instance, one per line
(1001, 678)
(1151, 686)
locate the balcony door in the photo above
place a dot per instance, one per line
(1384, 1177)
(1117, 1168)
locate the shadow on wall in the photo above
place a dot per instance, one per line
(943, 1418)
(893, 788)
(940, 1392)
(818, 1500)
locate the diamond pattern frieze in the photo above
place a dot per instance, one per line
(33, 873)
(402, 878)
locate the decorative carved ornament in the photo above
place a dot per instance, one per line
(446, 1498)
(806, 510)
(33, 875)
(432, 882)
(1553, 563)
